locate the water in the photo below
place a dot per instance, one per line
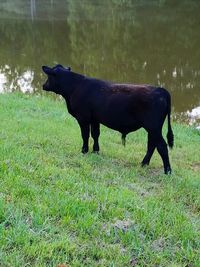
(153, 42)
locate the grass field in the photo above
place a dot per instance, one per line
(61, 208)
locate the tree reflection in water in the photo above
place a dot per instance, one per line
(154, 42)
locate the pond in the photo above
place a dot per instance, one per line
(146, 41)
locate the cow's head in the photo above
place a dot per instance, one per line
(54, 76)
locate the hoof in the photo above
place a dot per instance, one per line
(168, 171)
(95, 152)
(84, 150)
(144, 164)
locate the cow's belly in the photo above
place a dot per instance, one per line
(117, 113)
(123, 123)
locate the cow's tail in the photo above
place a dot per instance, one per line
(123, 139)
(170, 135)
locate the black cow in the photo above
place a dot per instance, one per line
(121, 107)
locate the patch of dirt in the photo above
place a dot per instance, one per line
(195, 166)
(144, 190)
(123, 225)
(154, 172)
(133, 262)
(151, 174)
(138, 189)
(158, 244)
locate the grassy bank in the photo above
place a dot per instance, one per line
(58, 206)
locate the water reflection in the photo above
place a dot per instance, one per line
(194, 115)
(25, 81)
(3, 81)
(10, 82)
(154, 42)
(33, 9)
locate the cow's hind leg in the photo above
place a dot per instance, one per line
(85, 132)
(163, 151)
(151, 145)
(95, 132)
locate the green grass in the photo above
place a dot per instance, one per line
(58, 206)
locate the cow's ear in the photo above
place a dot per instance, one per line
(48, 70)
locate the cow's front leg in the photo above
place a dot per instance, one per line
(95, 132)
(85, 133)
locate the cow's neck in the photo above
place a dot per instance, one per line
(75, 83)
